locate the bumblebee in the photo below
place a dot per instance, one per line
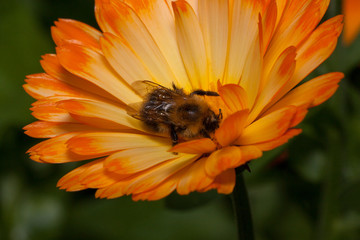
(173, 112)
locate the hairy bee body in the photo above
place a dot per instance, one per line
(173, 112)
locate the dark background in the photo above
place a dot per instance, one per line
(307, 189)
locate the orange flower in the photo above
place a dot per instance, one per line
(254, 53)
(351, 10)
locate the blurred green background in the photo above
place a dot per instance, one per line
(307, 189)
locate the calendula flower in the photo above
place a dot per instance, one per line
(351, 9)
(253, 53)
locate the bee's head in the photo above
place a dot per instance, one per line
(212, 121)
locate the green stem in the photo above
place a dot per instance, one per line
(242, 210)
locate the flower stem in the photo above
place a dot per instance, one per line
(242, 210)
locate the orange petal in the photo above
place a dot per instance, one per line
(194, 178)
(158, 18)
(214, 18)
(304, 16)
(118, 18)
(268, 24)
(231, 128)
(272, 84)
(96, 176)
(147, 180)
(51, 65)
(197, 146)
(351, 9)
(107, 142)
(244, 16)
(191, 44)
(268, 127)
(116, 50)
(55, 150)
(224, 182)
(156, 175)
(161, 191)
(225, 158)
(100, 110)
(316, 49)
(91, 65)
(41, 129)
(47, 110)
(70, 182)
(72, 31)
(42, 85)
(266, 146)
(134, 160)
(234, 97)
(313, 92)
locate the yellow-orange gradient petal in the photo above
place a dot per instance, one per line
(268, 127)
(231, 128)
(93, 110)
(266, 146)
(230, 157)
(234, 97)
(351, 9)
(134, 160)
(197, 146)
(43, 129)
(92, 66)
(191, 44)
(55, 150)
(194, 178)
(224, 183)
(107, 142)
(75, 32)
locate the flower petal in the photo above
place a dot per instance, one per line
(350, 9)
(222, 159)
(279, 75)
(191, 44)
(116, 50)
(107, 142)
(234, 97)
(304, 15)
(42, 129)
(75, 32)
(154, 176)
(244, 16)
(267, 146)
(93, 110)
(268, 127)
(93, 66)
(197, 146)
(224, 183)
(158, 18)
(137, 159)
(55, 150)
(118, 18)
(51, 65)
(194, 178)
(317, 48)
(313, 92)
(213, 17)
(231, 128)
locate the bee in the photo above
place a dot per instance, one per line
(173, 112)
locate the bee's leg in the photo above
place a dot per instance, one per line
(220, 115)
(173, 135)
(204, 93)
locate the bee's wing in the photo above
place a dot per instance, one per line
(133, 109)
(144, 87)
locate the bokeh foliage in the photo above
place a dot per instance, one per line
(307, 189)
